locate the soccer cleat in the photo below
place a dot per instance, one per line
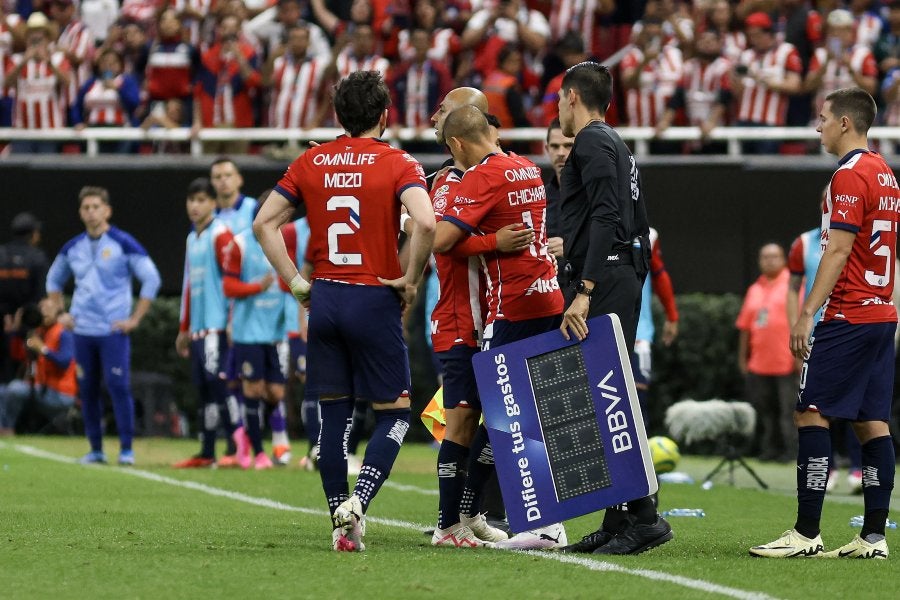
(349, 518)
(638, 537)
(281, 455)
(94, 457)
(832, 480)
(457, 536)
(340, 542)
(126, 458)
(310, 462)
(589, 543)
(551, 537)
(872, 546)
(791, 544)
(479, 526)
(228, 461)
(244, 452)
(854, 480)
(195, 462)
(262, 462)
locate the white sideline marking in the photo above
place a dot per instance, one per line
(402, 487)
(591, 564)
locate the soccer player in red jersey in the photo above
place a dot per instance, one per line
(456, 328)
(353, 188)
(848, 368)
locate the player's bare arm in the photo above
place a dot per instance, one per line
(274, 213)
(840, 243)
(421, 212)
(446, 236)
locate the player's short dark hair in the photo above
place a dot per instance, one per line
(94, 190)
(201, 185)
(554, 124)
(856, 104)
(359, 101)
(466, 123)
(493, 121)
(225, 159)
(593, 83)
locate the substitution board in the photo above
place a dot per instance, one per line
(565, 424)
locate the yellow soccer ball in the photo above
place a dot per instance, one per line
(665, 454)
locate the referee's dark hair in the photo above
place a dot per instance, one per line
(856, 104)
(554, 124)
(94, 190)
(466, 123)
(226, 160)
(359, 101)
(201, 185)
(593, 83)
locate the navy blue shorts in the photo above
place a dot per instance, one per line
(258, 362)
(460, 388)
(209, 356)
(503, 332)
(850, 371)
(297, 354)
(356, 346)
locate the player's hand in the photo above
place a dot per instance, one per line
(266, 281)
(66, 320)
(126, 326)
(35, 344)
(800, 333)
(575, 318)
(514, 237)
(670, 332)
(183, 344)
(555, 245)
(406, 290)
(301, 289)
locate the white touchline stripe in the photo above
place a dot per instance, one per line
(402, 487)
(593, 565)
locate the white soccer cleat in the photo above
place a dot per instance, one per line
(874, 546)
(480, 527)
(349, 519)
(550, 537)
(456, 536)
(340, 542)
(832, 480)
(790, 545)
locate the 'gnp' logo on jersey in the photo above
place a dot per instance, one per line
(543, 286)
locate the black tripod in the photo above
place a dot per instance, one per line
(732, 456)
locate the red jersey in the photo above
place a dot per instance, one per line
(497, 192)
(351, 188)
(758, 103)
(656, 84)
(458, 316)
(863, 198)
(40, 97)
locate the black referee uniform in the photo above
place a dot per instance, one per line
(604, 225)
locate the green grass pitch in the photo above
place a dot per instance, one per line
(70, 531)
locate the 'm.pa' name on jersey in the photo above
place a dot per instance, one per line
(888, 203)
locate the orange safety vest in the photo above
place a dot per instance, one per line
(496, 86)
(51, 375)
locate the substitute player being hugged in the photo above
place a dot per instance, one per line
(848, 371)
(353, 188)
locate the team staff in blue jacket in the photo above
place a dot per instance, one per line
(103, 261)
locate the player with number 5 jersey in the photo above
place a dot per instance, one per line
(353, 188)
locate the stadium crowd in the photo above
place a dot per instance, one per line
(236, 63)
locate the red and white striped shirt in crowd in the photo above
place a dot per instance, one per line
(838, 76)
(6, 44)
(733, 44)
(868, 29)
(656, 84)
(445, 45)
(40, 101)
(102, 106)
(295, 89)
(573, 15)
(78, 41)
(703, 85)
(759, 104)
(201, 7)
(418, 107)
(348, 63)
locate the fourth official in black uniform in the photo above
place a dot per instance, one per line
(607, 249)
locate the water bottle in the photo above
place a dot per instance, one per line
(857, 521)
(684, 512)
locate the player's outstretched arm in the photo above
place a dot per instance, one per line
(420, 210)
(275, 212)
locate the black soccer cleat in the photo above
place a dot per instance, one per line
(589, 543)
(638, 538)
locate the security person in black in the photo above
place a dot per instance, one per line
(607, 249)
(23, 273)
